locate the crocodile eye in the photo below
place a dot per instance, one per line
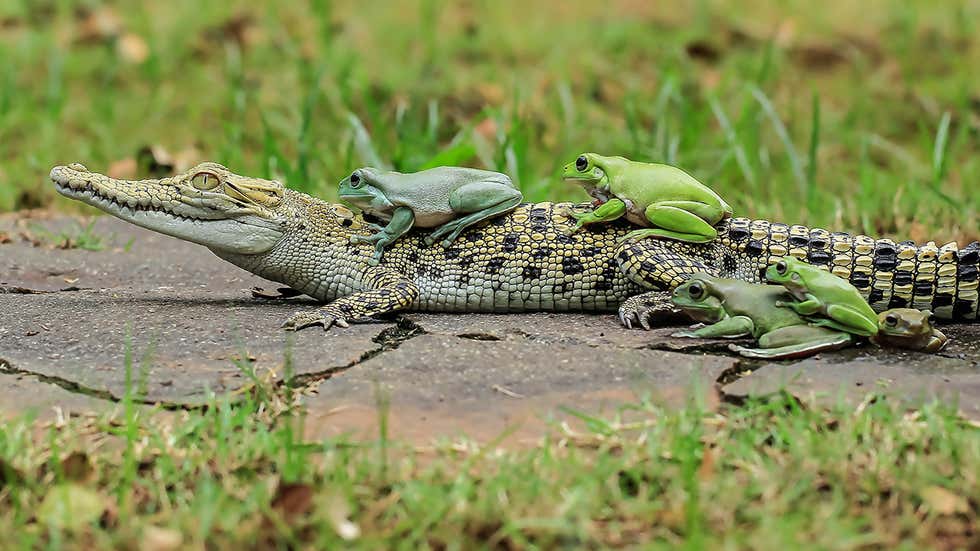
(781, 267)
(891, 320)
(355, 180)
(695, 290)
(205, 181)
(581, 163)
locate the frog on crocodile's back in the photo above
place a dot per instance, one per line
(665, 200)
(739, 309)
(449, 199)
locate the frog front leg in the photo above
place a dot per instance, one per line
(402, 220)
(728, 328)
(606, 212)
(798, 341)
(477, 201)
(688, 221)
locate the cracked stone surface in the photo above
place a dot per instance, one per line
(186, 318)
(44, 400)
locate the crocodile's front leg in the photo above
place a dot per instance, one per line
(661, 266)
(389, 291)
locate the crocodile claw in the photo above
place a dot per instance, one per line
(646, 308)
(310, 318)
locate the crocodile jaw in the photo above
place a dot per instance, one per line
(164, 213)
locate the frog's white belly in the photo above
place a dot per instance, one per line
(427, 218)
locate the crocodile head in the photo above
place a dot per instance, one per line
(208, 205)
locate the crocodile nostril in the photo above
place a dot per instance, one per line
(78, 167)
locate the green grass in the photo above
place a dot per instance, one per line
(858, 117)
(766, 475)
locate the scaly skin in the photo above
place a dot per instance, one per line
(519, 262)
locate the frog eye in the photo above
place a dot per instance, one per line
(930, 317)
(696, 290)
(891, 320)
(581, 163)
(781, 267)
(355, 179)
(205, 181)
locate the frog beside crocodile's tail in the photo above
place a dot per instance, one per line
(943, 279)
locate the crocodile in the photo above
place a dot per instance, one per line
(529, 259)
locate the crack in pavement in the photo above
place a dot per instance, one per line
(7, 368)
(389, 339)
(13, 290)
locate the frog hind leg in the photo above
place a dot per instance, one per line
(729, 328)
(845, 318)
(799, 341)
(687, 221)
(477, 201)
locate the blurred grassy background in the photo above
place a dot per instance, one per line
(862, 116)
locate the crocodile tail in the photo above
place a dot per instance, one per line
(888, 274)
(966, 301)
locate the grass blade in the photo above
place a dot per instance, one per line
(783, 134)
(740, 157)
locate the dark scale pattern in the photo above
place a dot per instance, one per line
(529, 260)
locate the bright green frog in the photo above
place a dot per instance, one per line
(825, 299)
(449, 199)
(667, 201)
(738, 309)
(909, 328)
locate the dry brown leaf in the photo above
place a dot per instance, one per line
(491, 92)
(707, 470)
(293, 500)
(917, 232)
(4, 238)
(943, 501)
(487, 129)
(241, 28)
(338, 513)
(77, 467)
(785, 33)
(123, 169)
(160, 539)
(703, 50)
(132, 48)
(819, 56)
(98, 25)
(186, 158)
(710, 78)
(154, 160)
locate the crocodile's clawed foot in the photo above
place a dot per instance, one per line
(282, 293)
(323, 317)
(647, 308)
